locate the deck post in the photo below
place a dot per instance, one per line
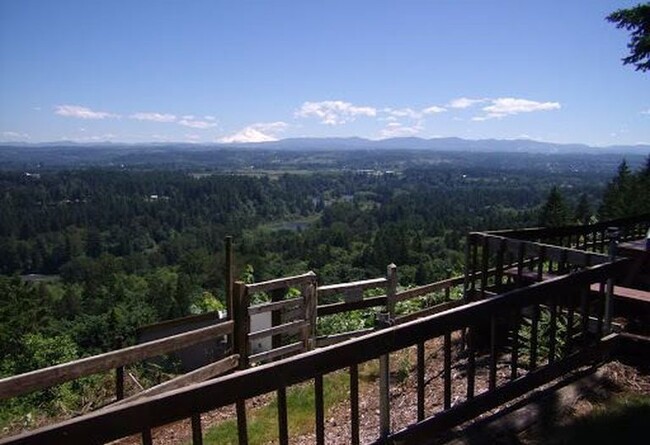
(310, 302)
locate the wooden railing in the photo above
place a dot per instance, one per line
(592, 237)
(44, 378)
(531, 355)
(495, 264)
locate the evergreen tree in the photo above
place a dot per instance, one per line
(583, 210)
(617, 196)
(636, 20)
(554, 213)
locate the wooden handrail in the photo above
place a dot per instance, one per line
(64, 372)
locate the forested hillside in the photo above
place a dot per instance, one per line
(114, 249)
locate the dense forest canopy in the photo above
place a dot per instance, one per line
(89, 255)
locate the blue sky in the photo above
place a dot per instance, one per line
(209, 71)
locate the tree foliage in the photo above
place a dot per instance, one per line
(555, 212)
(636, 20)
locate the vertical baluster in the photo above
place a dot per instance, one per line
(521, 252)
(242, 429)
(584, 309)
(420, 378)
(447, 371)
(197, 434)
(600, 308)
(501, 260)
(534, 329)
(320, 410)
(493, 353)
(514, 363)
(471, 364)
(569, 327)
(552, 331)
(354, 404)
(146, 437)
(540, 263)
(283, 427)
(384, 396)
(485, 252)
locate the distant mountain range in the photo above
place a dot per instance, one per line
(355, 143)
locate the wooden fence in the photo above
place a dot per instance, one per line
(537, 350)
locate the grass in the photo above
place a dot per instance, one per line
(263, 424)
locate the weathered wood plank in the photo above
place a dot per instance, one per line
(280, 283)
(54, 375)
(332, 289)
(338, 338)
(346, 306)
(287, 328)
(198, 375)
(429, 311)
(277, 352)
(275, 306)
(419, 291)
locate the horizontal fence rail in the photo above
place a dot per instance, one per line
(560, 300)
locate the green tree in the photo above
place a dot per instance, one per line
(618, 194)
(555, 212)
(636, 20)
(583, 210)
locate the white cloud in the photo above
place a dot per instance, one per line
(434, 110)
(154, 117)
(647, 112)
(198, 124)
(260, 132)
(82, 112)
(396, 129)
(334, 112)
(394, 113)
(209, 118)
(403, 112)
(97, 138)
(509, 106)
(464, 102)
(14, 135)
